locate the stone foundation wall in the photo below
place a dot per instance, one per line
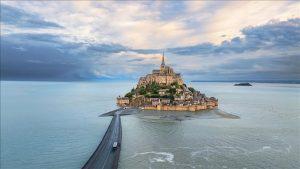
(182, 108)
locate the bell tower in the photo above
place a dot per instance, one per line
(163, 61)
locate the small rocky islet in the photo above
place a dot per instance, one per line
(242, 84)
(164, 89)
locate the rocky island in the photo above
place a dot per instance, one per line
(242, 84)
(164, 89)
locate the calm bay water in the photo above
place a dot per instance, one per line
(56, 125)
(53, 124)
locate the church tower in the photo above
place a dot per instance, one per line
(163, 61)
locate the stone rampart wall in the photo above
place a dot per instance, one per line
(182, 108)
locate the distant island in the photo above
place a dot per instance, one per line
(242, 84)
(164, 89)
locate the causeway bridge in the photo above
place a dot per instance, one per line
(107, 154)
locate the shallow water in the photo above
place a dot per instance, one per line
(56, 125)
(267, 135)
(53, 124)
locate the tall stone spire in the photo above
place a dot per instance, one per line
(163, 60)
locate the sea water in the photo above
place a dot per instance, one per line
(267, 134)
(53, 125)
(56, 125)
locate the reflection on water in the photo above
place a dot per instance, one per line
(266, 135)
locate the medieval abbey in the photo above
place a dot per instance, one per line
(164, 89)
(164, 76)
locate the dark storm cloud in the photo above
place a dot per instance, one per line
(205, 48)
(32, 61)
(266, 68)
(50, 57)
(135, 60)
(33, 38)
(272, 35)
(20, 18)
(280, 59)
(147, 51)
(275, 34)
(288, 64)
(108, 48)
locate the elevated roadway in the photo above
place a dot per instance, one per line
(106, 156)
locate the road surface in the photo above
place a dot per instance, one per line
(105, 157)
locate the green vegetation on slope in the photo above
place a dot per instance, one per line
(152, 90)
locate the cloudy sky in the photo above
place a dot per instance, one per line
(203, 40)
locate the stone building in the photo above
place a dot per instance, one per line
(155, 101)
(162, 92)
(179, 90)
(164, 76)
(165, 101)
(179, 97)
(123, 101)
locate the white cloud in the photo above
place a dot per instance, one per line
(235, 15)
(140, 24)
(147, 25)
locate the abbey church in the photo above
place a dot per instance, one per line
(164, 76)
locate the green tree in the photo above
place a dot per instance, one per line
(192, 89)
(171, 97)
(153, 88)
(175, 84)
(142, 91)
(155, 95)
(172, 91)
(129, 95)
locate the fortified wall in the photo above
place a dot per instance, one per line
(208, 105)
